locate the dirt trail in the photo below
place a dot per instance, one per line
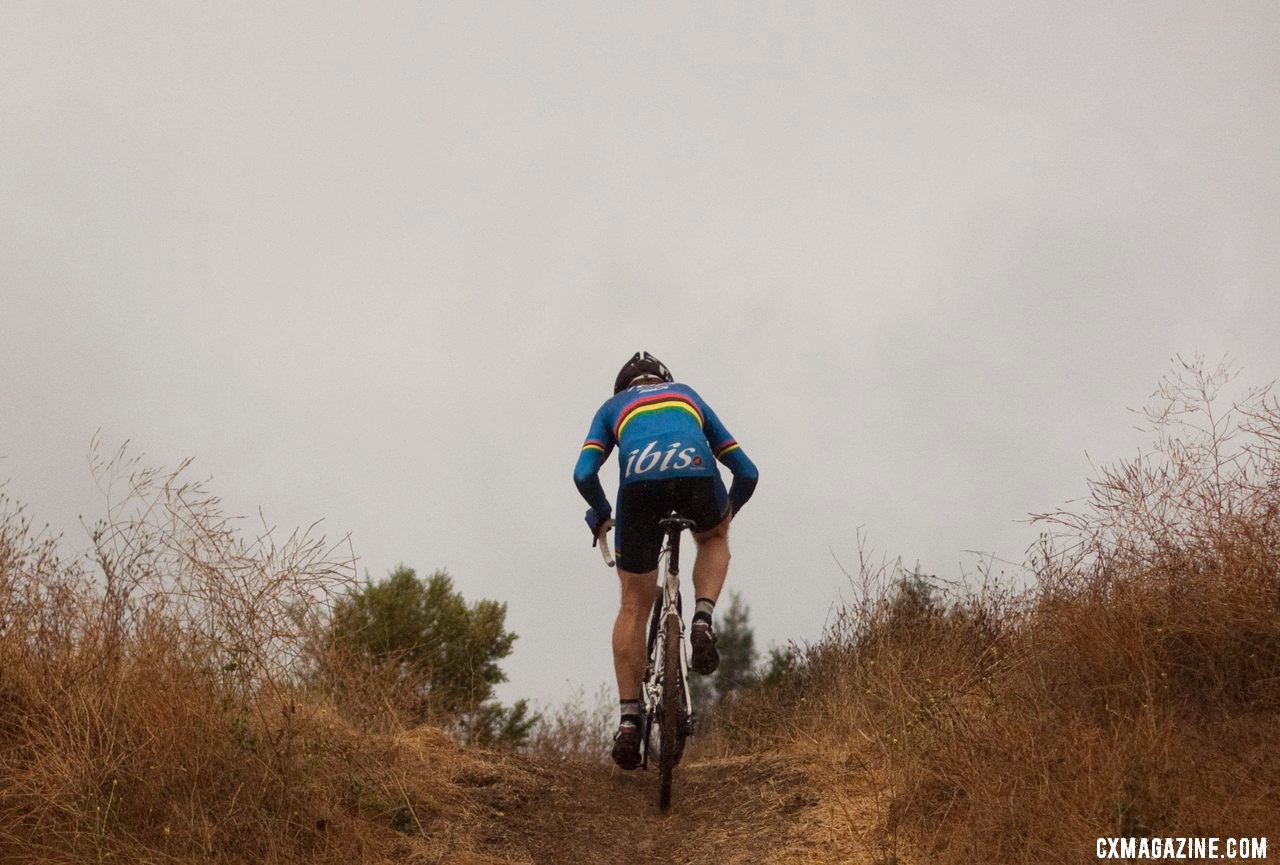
(742, 810)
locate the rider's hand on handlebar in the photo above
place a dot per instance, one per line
(598, 524)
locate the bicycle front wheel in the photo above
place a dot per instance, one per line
(671, 728)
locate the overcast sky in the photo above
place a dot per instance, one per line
(377, 264)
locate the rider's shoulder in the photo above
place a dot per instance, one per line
(675, 388)
(623, 401)
(640, 391)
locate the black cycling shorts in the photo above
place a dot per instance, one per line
(641, 504)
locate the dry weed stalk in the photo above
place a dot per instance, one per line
(1131, 691)
(576, 731)
(151, 702)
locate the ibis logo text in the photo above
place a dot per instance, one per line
(655, 459)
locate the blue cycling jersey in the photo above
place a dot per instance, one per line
(660, 431)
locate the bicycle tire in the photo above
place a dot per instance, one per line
(669, 744)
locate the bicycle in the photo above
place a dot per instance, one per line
(665, 697)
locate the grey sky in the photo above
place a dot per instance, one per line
(377, 264)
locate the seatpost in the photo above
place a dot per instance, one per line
(674, 525)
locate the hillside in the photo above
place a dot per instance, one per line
(158, 704)
(518, 810)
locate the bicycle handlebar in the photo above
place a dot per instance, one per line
(675, 521)
(602, 541)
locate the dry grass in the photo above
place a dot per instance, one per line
(576, 731)
(1134, 690)
(156, 703)
(160, 703)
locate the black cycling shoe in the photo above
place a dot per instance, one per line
(705, 657)
(626, 745)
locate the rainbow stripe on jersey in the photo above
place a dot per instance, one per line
(725, 448)
(660, 402)
(661, 430)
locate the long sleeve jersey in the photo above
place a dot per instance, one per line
(660, 431)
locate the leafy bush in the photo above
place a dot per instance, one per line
(438, 653)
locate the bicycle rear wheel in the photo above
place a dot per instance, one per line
(671, 726)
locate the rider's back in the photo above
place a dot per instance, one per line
(661, 431)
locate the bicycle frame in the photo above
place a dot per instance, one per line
(667, 613)
(673, 717)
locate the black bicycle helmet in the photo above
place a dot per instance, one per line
(642, 363)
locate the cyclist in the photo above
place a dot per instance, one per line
(668, 441)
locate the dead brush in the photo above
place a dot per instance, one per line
(1133, 690)
(149, 706)
(575, 731)
(901, 671)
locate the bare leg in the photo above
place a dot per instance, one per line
(638, 594)
(712, 562)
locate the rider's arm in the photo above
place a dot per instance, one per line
(729, 452)
(745, 475)
(586, 477)
(595, 450)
